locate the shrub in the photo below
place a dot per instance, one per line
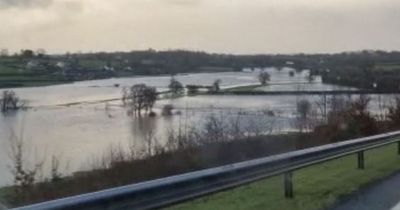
(167, 110)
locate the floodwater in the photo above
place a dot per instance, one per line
(74, 123)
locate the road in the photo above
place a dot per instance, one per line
(382, 195)
(2, 207)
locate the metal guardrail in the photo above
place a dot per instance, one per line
(171, 190)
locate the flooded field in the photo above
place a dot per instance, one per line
(74, 123)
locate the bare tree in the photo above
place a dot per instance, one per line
(9, 101)
(264, 77)
(175, 86)
(139, 97)
(303, 110)
(394, 113)
(25, 174)
(322, 106)
(215, 87)
(150, 97)
(214, 129)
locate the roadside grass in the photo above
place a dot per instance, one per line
(4, 193)
(315, 188)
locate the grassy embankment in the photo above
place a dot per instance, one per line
(316, 187)
(126, 168)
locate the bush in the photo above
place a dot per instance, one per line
(351, 122)
(167, 110)
(192, 89)
(175, 86)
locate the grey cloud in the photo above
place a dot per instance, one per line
(4, 4)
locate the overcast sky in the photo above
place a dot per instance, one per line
(228, 26)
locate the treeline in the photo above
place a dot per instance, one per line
(363, 69)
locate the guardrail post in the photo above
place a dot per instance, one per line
(360, 157)
(288, 184)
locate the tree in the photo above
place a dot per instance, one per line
(27, 53)
(352, 121)
(9, 101)
(264, 77)
(175, 86)
(150, 96)
(394, 114)
(139, 97)
(303, 109)
(192, 89)
(216, 86)
(40, 52)
(167, 110)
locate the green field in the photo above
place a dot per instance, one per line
(14, 74)
(315, 188)
(387, 67)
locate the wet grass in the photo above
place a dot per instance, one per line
(316, 187)
(4, 193)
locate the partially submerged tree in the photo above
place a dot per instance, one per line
(264, 77)
(139, 97)
(175, 86)
(9, 101)
(167, 110)
(215, 87)
(192, 89)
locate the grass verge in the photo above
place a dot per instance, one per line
(316, 187)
